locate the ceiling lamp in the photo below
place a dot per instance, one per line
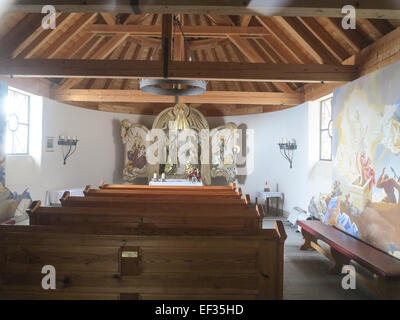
(175, 87)
(169, 87)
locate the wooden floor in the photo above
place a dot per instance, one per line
(306, 274)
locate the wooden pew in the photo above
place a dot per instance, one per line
(123, 202)
(150, 216)
(344, 248)
(124, 263)
(231, 188)
(161, 193)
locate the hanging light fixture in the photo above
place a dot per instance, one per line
(169, 87)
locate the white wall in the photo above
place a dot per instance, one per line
(99, 155)
(308, 175)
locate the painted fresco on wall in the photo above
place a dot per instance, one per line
(365, 200)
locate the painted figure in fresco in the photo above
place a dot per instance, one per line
(367, 172)
(137, 155)
(389, 185)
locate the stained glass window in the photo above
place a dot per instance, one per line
(17, 112)
(325, 153)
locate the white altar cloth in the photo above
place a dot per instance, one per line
(267, 195)
(176, 182)
(53, 196)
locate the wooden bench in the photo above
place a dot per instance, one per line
(161, 193)
(150, 216)
(231, 188)
(123, 263)
(123, 202)
(344, 248)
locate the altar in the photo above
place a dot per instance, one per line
(176, 182)
(180, 144)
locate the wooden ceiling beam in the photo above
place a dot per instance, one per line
(40, 87)
(245, 21)
(52, 68)
(190, 31)
(217, 97)
(109, 18)
(101, 54)
(383, 9)
(44, 36)
(286, 39)
(251, 53)
(351, 37)
(325, 37)
(71, 32)
(19, 34)
(381, 53)
(307, 39)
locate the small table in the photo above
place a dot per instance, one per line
(268, 195)
(176, 182)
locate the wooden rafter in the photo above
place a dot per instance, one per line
(34, 46)
(217, 97)
(105, 50)
(307, 40)
(19, 34)
(61, 42)
(325, 38)
(177, 70)
(190, 31)
(381, 53)
(244, 46)
(384, 9)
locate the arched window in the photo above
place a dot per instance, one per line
(326, 130)
(18, 113)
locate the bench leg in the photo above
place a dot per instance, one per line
(308, 238)
(339, 261)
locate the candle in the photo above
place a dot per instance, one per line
(163, 176)
(155, 176)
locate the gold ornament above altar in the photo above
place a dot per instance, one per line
(186, 144)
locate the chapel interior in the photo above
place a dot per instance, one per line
(201, 150)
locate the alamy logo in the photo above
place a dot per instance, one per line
(49, 280)
(49, 21)
(349, 280)
(349, 20)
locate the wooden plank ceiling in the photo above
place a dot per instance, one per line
(254, 64)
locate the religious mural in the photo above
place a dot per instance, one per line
(224, 152)
(134, 139)
(365, 200)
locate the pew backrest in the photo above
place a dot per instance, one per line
(106, 263)
(201, 216)
(98, 201)
(105, 186)
(161, 193)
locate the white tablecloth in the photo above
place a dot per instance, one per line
(175, 182)
(53, 196)
(266, 195)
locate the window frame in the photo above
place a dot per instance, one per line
(325, 130)
(28, 125)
